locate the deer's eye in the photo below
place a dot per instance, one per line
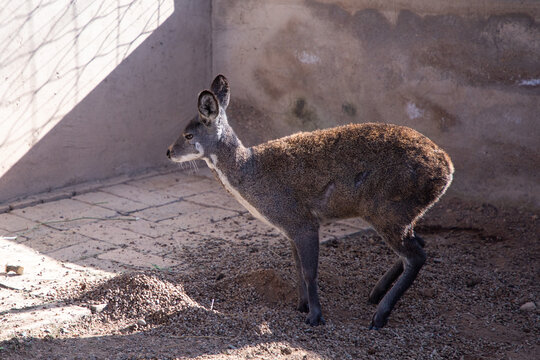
(188, 136)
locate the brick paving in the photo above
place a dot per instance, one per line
(124, 225)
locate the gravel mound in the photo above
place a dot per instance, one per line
(133, 295)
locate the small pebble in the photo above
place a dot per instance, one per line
(286, 351)
(64, 330)
(97, 308)
(528, 306)
(141, 322)
(428, 293)
(472, 282)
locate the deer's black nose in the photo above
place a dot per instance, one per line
(168, 153)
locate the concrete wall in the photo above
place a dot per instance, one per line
(94, 89)
(465, 73)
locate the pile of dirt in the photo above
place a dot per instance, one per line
(133, 295)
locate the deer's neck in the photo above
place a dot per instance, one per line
(233, 164)
(230, 159)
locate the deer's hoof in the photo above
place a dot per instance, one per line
(315, 320)
(377, 323)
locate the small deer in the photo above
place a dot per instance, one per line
(387, 175)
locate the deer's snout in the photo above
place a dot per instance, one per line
(169, 153)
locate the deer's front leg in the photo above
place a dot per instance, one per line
(303, 305)
(306, 253)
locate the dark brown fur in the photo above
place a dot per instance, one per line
(396, 164)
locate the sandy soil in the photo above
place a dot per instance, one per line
(237, 300)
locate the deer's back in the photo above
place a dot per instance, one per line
(335, 168)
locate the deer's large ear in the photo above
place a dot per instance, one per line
(208, 107)
(220, 87)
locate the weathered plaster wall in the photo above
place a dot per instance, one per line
(466, 74)
(95, 89)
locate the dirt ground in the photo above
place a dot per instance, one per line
(237, 299)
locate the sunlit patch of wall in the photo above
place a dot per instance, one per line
(95, 89)
(55, 53)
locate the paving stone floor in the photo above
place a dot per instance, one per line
(121, 226)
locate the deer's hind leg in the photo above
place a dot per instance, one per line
(412, 258)
(385, 282)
